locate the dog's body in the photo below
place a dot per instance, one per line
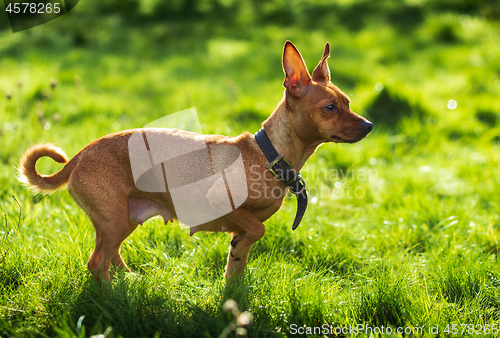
(100, 178)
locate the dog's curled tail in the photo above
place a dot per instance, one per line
(45, 184)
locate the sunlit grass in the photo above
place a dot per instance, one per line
(417, 245)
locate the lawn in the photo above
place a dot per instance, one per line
(402, 229)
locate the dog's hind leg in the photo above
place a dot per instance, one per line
(109, 237)
(112, 226)
(117, 260)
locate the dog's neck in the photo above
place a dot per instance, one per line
(283, 134)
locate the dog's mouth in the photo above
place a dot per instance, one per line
(338, 139)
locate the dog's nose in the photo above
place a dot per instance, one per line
(367, 126)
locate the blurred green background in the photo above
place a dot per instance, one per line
(419, 247)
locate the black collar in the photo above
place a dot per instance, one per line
(280, 168)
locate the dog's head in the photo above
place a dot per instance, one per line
(320, 110)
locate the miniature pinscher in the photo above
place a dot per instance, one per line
(100, 178)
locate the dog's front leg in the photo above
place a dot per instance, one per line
(236, 266)
(241, 242)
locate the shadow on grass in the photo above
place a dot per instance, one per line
(132, 308)
(143, 307)
(467, 284)
(357, 15)
(389, 108)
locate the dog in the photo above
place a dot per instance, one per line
(100, 177)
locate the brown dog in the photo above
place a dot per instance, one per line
(100, 178)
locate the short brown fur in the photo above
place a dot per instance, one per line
(99, 177)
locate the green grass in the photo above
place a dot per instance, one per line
(417, 246)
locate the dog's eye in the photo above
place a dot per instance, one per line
(331, 107)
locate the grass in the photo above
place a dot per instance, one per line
(402, 230)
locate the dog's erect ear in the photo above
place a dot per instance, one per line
(296, 75)
(322, 73)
